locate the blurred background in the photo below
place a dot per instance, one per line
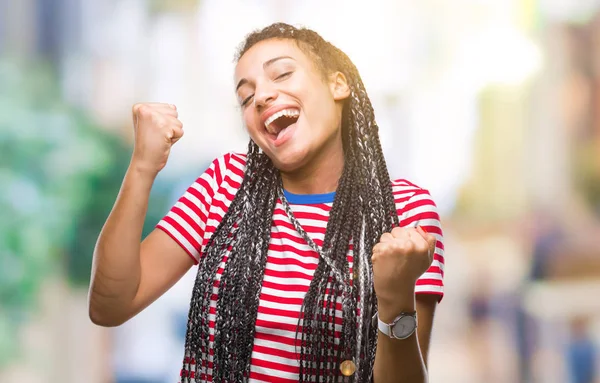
(493, 105)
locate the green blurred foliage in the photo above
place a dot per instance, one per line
(59, 174)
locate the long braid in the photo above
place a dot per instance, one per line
(362, 210)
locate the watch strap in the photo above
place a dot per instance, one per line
(386, 328)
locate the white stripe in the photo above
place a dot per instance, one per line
(291, 268)
(313, 260)
(280, 306)
(283, 293)
(429, 289)
(403, 191)
(292, 232)
(311, 209)
(272, 372)
(191, 214)
(274, 358)
(283, 320)
(287, 281)
(431, 276)
(180, 238)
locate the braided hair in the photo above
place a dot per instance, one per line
(363, 209)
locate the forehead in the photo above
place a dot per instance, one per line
(253, 60)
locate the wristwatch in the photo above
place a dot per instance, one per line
(402, 327)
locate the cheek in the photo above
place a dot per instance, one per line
(251, 122)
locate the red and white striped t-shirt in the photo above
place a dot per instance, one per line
(290, 261)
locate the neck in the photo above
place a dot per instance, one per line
(320, 175)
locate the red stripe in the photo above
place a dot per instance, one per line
(290, 261)
(161, 227)
(278, 222)
(281, 235)
(303, 215)
(276, 352)
(281, 300)
(217, 166)
(438, 258)
(271, 379)
(194, 208)
(427, 281)
(288, 248)
(227, 172)
(193, 223)
(287, 274)
(183, 232)
(290, 287)
(274, 338)
(275, 366)
(417, 204)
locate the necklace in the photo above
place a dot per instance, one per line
(323, 254)
(347, 367)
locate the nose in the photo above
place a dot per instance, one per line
(264, 94)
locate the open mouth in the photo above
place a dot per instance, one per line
(278, 123)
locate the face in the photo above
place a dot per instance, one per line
(292, 112)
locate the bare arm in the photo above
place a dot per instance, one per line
(406, 360)
(126, 275)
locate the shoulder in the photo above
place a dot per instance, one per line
(227, 164)
(405, 190)
(414, 203)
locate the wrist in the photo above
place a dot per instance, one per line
(142, 170)
(390, 308)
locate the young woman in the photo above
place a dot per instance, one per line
(312, 264)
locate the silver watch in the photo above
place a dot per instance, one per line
(402, 327)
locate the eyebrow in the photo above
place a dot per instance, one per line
(265, 65)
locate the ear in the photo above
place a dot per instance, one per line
(339, 86)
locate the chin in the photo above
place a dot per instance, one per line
(289, 160)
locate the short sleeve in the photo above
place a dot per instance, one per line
(186, 222)
(421, 210)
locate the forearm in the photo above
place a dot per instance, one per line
(116, 266)
(398, 361)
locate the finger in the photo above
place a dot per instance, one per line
(167, 109)
(162, 108)
(419, 240)
(177, 134)
(160, 105)
(175, 129)
(431, 240)
(419, 229)
(173, 121)
(400, 233)
(386, 237)
(380, 250)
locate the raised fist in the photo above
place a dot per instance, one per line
(156, 128)
(399, 259)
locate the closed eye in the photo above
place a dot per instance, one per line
(283, 75)
(247, 100)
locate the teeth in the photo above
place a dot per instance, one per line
(281, 113)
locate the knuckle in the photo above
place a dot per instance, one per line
(385, 237)
(144, 110)
(432, 239)
(397, 231)
(401, 246)
(423, 249)
(160, 121)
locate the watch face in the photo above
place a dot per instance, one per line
(404, 327)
